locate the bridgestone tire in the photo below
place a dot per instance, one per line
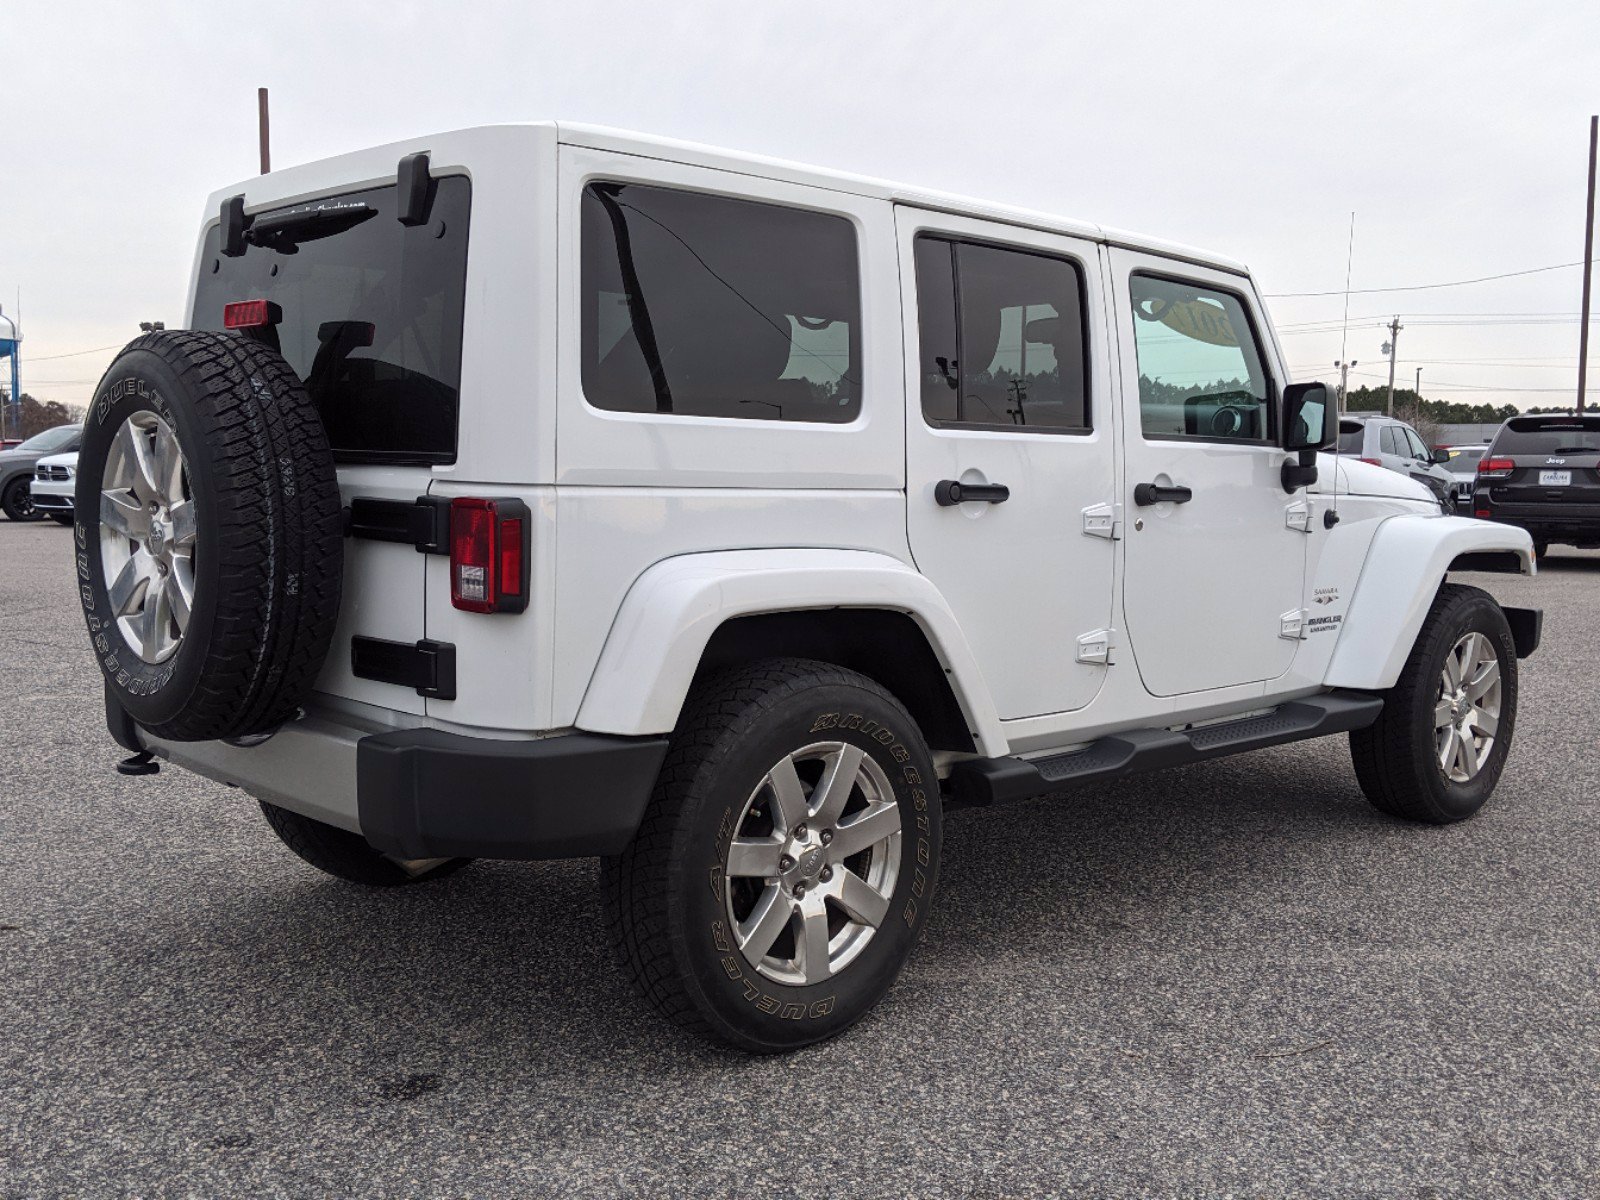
(266, 535)
(1395, 760)
(667, 897)
(347, 855)
(17, 502)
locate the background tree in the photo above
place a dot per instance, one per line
(37, 416)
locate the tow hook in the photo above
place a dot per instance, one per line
(142, 763)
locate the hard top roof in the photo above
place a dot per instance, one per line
(313, 178)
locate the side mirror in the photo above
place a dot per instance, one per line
(1309, 419)
(1441, 457)
(1310, 423)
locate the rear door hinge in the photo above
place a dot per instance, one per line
(423, 522)
(1103, 520)
(1292, 625)
(1298, 516)
(1095, 647)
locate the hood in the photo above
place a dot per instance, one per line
(1357, 478)
(69, 459)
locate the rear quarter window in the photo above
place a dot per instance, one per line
(709, 306)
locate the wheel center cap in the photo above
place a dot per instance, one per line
(158, 537)
(810, 863)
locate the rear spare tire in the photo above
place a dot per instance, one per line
(208, 535)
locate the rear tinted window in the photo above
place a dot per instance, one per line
(1350, 437)
(700, 305)
(1531, 436)
(371, 319)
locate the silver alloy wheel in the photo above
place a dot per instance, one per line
(147, 536)
(813, 863)
(1466, 715)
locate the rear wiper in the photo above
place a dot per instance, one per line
(1576, 450)
(285, 231)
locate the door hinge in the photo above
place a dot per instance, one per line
(1103, 520)
(1298, 516)
(423, 522)
(1292, 625)
(428, 666)
(1096, 646)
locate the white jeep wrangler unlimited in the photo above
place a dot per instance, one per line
(543, 491)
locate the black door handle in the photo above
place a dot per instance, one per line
(949, 492)
(1146, 494)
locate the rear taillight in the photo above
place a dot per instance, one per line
(1496, 468)
(1377, 462)
(249, 314)
(488, 555)
(1482, 512)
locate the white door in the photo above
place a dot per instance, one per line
(1214, 563)
(1009, 400)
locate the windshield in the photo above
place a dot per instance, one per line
(1572, 435)
(58, 440)
(1465, 458)
(372, 314)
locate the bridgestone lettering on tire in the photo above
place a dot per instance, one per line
(206, 491)
(787, 862)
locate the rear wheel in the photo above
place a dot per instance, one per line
(348, 856)
(17, 501)
(1437, 749)
(787, 861)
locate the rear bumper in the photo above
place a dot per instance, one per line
(1549, 522)
(425, 793)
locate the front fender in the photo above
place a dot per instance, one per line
(1404, 567)
(670, 613)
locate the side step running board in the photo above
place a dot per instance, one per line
(998, 780)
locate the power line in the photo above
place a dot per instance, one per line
(1423, 287)
(33, 358)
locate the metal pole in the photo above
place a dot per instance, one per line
(1419, 385)
(261, 112)
(1588, 265)
(1394, 352)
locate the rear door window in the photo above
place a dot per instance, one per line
(709, 306)
(372, 314)
(1389, 438)
(1001, 337)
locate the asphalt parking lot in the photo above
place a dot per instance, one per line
(1235, 980)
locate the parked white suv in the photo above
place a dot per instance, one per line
(53, 486)
(1395, 446)
(546, 491)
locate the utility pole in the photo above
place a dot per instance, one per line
(1419, 385)
(1344, 379)
(1588, 267)
(1392, 349)
(261, 121)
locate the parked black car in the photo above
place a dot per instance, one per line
(1543, 473)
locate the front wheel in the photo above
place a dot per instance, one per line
(17, 501)
(787, 861)
(1437, 749)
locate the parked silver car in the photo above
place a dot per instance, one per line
(17, 465)
(1386, 442)
(1463, 465)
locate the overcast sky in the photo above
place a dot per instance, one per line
(1456, 131)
